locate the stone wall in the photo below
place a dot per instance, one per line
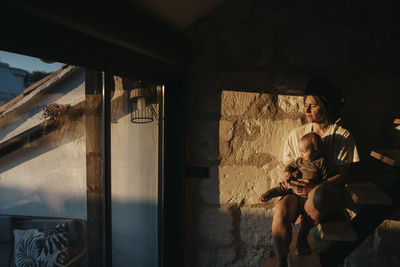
(381, 248)
(243, 149)
(251, 60)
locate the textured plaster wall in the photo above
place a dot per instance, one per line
(251, 62)
(47, 177)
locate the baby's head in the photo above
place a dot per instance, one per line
(310, 146)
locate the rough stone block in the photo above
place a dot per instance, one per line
(271, 137)
(236, 103)
(255, 226)
(251, 257)
(388, 233)
(203, 258)
(215, 226)
(225, 130)
(246, 183)
(253, 137)
(290, 103)
(212, 256)
(379, 249)
(224, 256)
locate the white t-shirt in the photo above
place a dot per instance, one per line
(339, 147)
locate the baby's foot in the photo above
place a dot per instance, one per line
(264, 198)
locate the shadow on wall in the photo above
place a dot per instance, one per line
(134, 234)
(41, 203)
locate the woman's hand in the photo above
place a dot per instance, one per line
(303, 187)
(285, 182)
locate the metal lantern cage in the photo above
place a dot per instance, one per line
(143, 100)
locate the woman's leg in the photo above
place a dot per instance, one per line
(284, 213)
(322, 201)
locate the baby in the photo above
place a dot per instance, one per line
(309, 166)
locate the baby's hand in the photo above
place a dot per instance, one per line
(285, 182)
(303, 187)
(304, 181)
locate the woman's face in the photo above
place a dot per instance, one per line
(314, 112)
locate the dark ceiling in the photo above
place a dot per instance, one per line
(180, 14)
(142, 33)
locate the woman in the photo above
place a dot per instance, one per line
(322, 104)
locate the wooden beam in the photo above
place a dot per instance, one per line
(26, 138)
(94, 174)
(388, 156)
(368, 194)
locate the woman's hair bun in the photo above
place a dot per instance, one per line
(328, 93)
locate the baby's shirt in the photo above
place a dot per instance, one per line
(315, 171)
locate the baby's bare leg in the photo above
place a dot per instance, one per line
(275, 192)
(302, 246)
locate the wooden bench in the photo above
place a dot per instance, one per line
(367, 194)
(388, 156)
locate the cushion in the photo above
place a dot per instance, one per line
(73, 237)
(41, 247)
(6, 225)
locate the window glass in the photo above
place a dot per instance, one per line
(134, 171)
(43, 166)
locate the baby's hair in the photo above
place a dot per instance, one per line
(314, 140)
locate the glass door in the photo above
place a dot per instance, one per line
(136, 127)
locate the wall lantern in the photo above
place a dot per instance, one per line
(142, 101)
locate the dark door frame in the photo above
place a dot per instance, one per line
(34, 33)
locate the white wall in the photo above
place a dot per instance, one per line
(47, 177)
(134, 161)
(45, 181)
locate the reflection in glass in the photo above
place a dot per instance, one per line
(43, 205)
